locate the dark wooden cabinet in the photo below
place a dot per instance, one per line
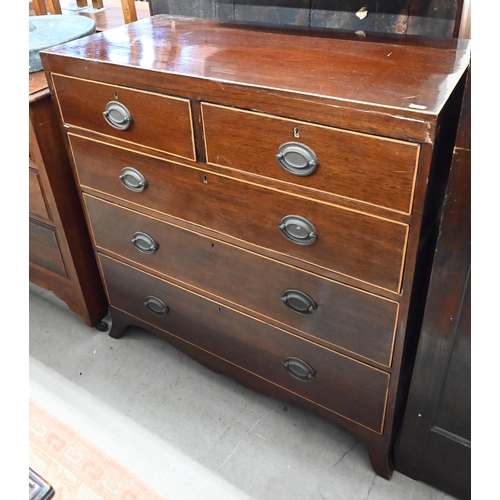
(267, 200)
(60, 251)
(435, 442)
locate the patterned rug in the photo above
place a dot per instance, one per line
(75, 467)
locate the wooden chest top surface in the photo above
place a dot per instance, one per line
(412, 74)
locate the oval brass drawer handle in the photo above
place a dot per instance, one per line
(298, 230)
(297, 159)
(117, 115)
(132, 179)
(299, 369)
(144, 243)
(298, 301)
(156, 306)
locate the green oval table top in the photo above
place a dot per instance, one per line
(48, 31)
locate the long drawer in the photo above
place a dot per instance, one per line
(321, 308)
(154, 120)
(364, 247)
(366, 168)
(336, 382)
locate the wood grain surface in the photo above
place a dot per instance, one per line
(350, 388)
(352, 165)
(370, 249)
(247, 281)
(383, 131)
(375, 74)
(158, 121)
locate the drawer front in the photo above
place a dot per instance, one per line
(37, 205)
(341, 316)
(356, 166)
(367, 248)
(157, 121)
(44, 248)
(340, 384)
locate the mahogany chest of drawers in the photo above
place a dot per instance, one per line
(266, 200)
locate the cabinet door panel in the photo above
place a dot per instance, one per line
(37, 205)
(44, 248)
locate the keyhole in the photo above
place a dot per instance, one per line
(205, 179)
(219, 309)
(213, 245)
(115, 94)
(296, 132)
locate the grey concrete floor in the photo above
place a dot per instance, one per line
(187, 431)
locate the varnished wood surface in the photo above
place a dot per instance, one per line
(110, 17)
(351, 165)
(378, 446)
(367, 248)
(157, 121)
(37, 205)
(327, 79)
(350, 388)
(464, 20)
(342, 317)
(220, 53)
(44, 248)
(38, 86)
(129, 11)
(39, 7)
(405, 125)
(61, 257)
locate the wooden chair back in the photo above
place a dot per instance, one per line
(45, 7)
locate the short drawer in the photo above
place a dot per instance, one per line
(338, 383)
(156, 121)
(360, 167)
(44, 248)
(325, 310)
(364, 247)
(37, 206)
